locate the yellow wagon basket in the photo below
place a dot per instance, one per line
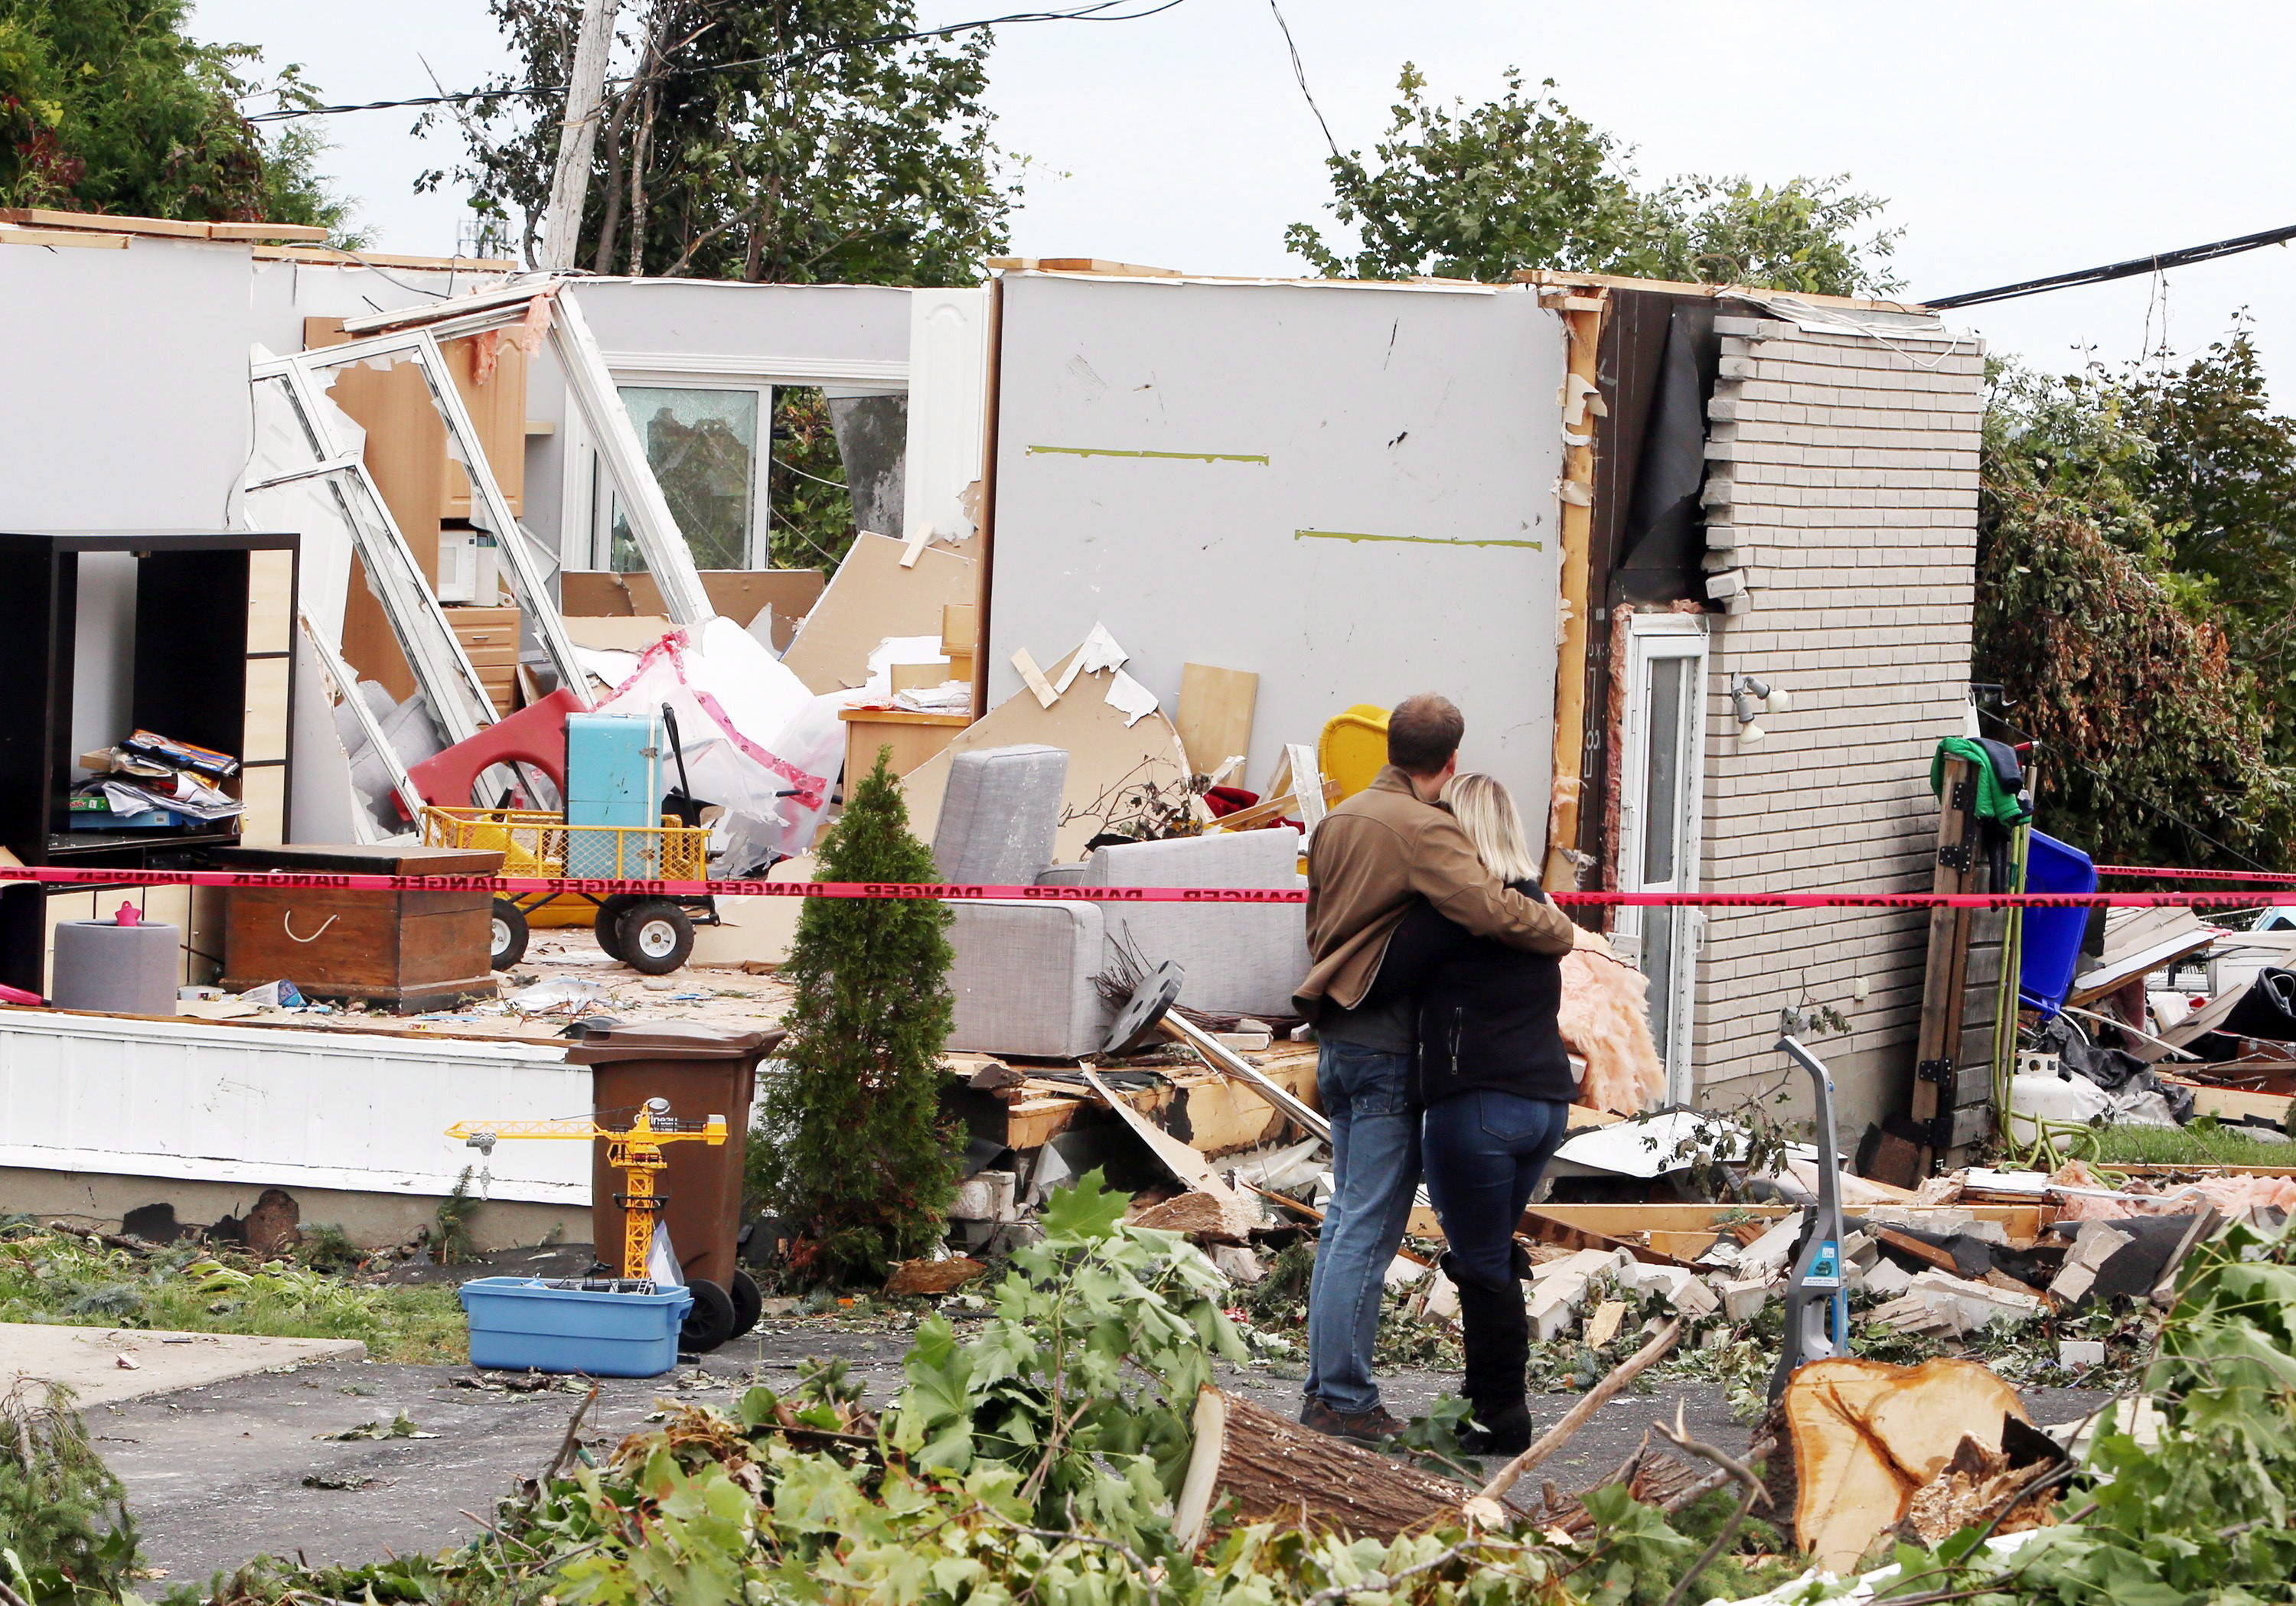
(649, 934)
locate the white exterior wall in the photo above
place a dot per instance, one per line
(1346, 488)
(276, 1107)
(1844, 468)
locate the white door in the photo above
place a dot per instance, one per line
(1663, 775)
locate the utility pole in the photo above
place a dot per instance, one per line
(578, 136)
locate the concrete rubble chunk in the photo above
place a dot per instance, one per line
(2097, 1243)
(1941, 1304)
(1559, 1288)
(1678, 1285)
(1237, 1263)
(1743, 1298)
(1402, 1274)
(1772, 1250)
(1440, 1302)
(1886, 1279)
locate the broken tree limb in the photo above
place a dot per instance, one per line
(1284, 1200)
(1268, 1469)
(566, 1447)
(1755, 1494)
(1557, 1436)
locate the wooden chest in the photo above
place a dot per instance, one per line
(404, 951)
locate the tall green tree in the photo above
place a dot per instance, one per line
(2220, 481)
(1523, 182)
(111, 106)
(783, 141)
(851, 1152)
(2156, 740)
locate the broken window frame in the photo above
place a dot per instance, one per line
(345, 681)
(589, 512)
(405, 593)
(450, 685)
(1652, 639)
(595, 402)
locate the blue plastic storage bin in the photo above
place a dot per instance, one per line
(521, 1324)
(2052, 936)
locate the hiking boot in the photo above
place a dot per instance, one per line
(1368, 1427)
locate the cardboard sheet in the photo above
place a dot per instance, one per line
(739, 594)
(1110, 752)
(872, 597)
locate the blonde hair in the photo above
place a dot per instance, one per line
(1486, 813)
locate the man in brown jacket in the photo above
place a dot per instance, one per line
(1372, 856)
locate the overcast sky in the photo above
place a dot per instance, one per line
(2010, 140)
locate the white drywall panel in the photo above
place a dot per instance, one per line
(1168, 454)
(854, 336)
(264, 1105)
(127, 406)
(285, 293)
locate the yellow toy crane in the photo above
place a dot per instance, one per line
(635, 1153)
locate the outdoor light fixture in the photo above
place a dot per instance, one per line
(1749, 697)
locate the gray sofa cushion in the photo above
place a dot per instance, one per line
(1240, 959)
(1022, 978)
(998, 814)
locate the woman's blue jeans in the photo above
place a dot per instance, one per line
(1484, 1151)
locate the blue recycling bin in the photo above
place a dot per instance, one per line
(2051, 948)
(522, 1323)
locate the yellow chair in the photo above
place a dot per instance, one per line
(1353, 747)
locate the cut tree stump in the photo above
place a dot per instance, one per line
(1269, 1470)
(1197, 1213)
(930, 1277)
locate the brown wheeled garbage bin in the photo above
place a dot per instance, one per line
(703, 1071)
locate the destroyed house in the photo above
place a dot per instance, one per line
(1596, 512)
(1592, 511)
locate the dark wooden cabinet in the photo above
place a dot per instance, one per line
(204, 660)
(400, 951)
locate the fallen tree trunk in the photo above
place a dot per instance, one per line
(1270, 1468)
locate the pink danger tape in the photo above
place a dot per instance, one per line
(604, 887)
(2267, 877)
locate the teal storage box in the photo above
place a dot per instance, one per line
(613, 770)
(523, 1325)
(614, 777)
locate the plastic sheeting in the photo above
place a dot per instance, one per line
(756, 742)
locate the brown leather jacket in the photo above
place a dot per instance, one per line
(1370, 856)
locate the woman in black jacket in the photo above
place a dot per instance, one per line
(1495, 1081)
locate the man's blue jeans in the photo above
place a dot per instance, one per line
(1376, 1169)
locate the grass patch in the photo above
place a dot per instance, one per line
(52, 1277)
(2199, 1142)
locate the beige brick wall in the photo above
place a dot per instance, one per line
(1842, 491)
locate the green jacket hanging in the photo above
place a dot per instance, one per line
(1995, 801)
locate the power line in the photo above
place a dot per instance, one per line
(1301, 73)
(1103, 11)
(2119, 270)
